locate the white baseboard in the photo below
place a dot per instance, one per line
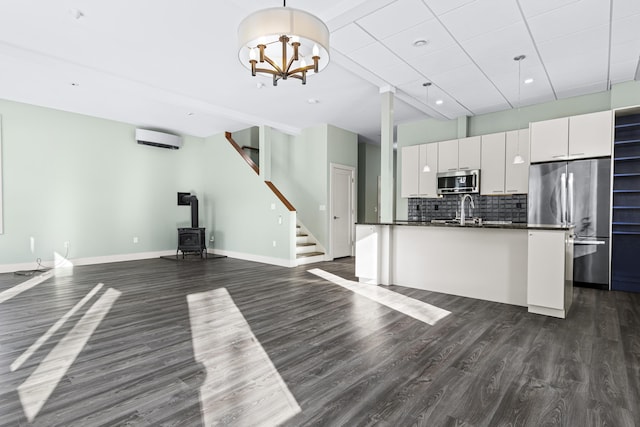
(9, 268)
(256, 258)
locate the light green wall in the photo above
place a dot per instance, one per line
(249, 138)
(368, 173)
(69, 177)
(300, 168)
(625, 94)
(239, 211)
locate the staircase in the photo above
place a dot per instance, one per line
(307, 248)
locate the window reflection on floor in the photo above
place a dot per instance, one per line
(37, 388)
(242, 386)
(417, 309)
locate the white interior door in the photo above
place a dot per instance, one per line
(342, 210)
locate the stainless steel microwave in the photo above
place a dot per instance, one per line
(464, 181)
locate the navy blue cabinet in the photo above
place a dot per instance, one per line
(625, 249)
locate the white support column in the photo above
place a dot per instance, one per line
(386, 154)
(265, 152)
(463, 126)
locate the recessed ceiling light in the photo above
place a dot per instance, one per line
(75, 84)
(439, 102)
(528, 81)
(313, 100)
(420, 42)
(190, 113)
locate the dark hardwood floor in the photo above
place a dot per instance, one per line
(162, 343)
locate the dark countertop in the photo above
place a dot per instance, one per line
(508, 226)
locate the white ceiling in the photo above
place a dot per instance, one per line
(174, 65)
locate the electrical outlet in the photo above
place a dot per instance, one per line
(32, 244)
(280, 219)
(274, 243)
(66, 244)
(135, 239)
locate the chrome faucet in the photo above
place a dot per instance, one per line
(471, 206)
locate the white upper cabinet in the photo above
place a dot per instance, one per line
(493, 164)
(549, 140)
(591, 135)
(516, 177)
(575, 137)
(428, 182)
(469, 153)
(448, 155)
(409, 172)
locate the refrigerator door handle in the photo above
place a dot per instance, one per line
(570, 198)
(589, 242)
(563, 199)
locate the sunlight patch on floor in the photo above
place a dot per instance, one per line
(37, 388)
(417, 309)
(7, 294)
(242, 386)
(53, 329)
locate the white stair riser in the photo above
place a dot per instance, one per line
(302, 239)
(306, 249)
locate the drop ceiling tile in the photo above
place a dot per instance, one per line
(494, 52)
(397, 74)
(536, 7)
(449, 108)
(440, 61)
(440, 7)
(432, 31)
(623, 8)
(584, 42)
(507, 82)
(581, 71)
(625, 52)
(623, 71)
(400, 15)
(626, 29)
(585, 89)
(480, 17)
(375, 56)
(469, 87)
(560, 22)
(350, 38)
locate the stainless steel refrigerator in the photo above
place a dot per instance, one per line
(577, 193)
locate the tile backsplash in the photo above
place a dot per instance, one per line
(489, 208)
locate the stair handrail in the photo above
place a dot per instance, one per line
(251, 163)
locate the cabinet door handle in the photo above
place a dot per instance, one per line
(512, 191)
(464, 167)
(498, 191)
(561, 156)
(452, 169)
(576, 154)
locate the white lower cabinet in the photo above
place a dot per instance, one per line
(550, 272)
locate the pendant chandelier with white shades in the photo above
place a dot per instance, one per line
(518, 160)
(283, 43)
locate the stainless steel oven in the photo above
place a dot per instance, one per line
(466, 181)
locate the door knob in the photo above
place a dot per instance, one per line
(336, 217)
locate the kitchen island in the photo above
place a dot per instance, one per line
(515, 264)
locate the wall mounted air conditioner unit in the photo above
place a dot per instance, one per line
(158, 139)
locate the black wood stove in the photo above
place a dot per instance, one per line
(191, 240)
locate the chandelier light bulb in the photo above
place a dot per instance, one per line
(316, 50)
(252, 54)
(303, 63)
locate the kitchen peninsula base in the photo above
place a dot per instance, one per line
(488, 263)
